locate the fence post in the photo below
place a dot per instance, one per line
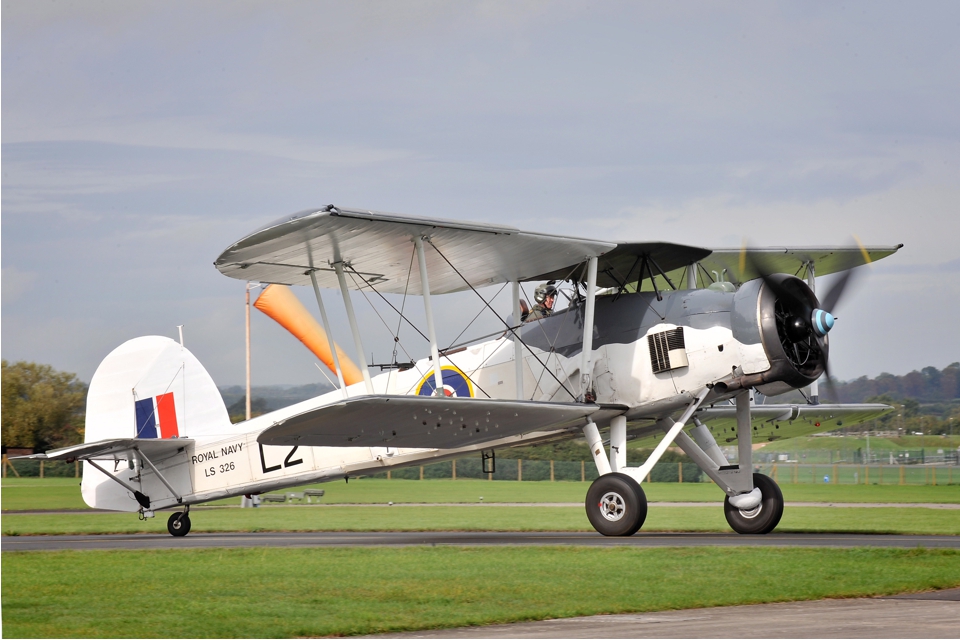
(934, 471)
(41, 468)
(901, 474)
(7, 463)
(519, 470)
(551, 471)
(421, 472)
(76, 468)
(583, 472)
(388, 474)
(454, 469)
(774, 471)
(836, 480)
(680, 472)
(866, 474)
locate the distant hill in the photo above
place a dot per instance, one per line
(268, 398)
(926, 386)
(928, 392)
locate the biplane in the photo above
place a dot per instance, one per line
(678, 345)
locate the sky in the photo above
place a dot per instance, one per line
(140, 139)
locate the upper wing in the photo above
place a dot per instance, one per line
(424, 422)
(379, 247)
(624, 264)
(112, 449)
(792, 260)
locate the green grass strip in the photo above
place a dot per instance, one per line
(314, 592)
(64, 493)
(470, 518)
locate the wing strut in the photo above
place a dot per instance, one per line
(351, 316)
(517, 346)
(431, 332)
(586, 365)
(326, 329)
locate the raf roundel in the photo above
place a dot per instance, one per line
(455, 384)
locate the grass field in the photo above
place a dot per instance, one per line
(488, 518)
(312, 592)
(64, 493)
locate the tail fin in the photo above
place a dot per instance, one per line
(149, 387)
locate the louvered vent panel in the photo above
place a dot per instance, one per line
(667, 350)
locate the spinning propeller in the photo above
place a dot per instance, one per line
(803, 321)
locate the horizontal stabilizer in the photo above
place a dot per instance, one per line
(113, 449)
(422, 422)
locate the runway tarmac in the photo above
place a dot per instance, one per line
(921, 615)
(435, 538)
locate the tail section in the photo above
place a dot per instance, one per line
(149, 387)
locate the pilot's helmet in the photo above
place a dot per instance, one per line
(545, 290)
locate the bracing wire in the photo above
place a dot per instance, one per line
(499, 317)
(408, 322)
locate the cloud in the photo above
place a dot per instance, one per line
(15, 283)
(140, 139)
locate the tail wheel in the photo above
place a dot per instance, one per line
(178, 524)
(616, 505)
(765, 516)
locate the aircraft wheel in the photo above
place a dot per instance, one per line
(616, 505)
(178, 524)
(764, 517)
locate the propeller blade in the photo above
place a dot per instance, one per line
(833, 296)
(782, 294)
(828, 383)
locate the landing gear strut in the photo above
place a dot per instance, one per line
(179, 524)
(765, 516)
(616, 505)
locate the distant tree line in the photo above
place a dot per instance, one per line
(925, 386)
(42, 408)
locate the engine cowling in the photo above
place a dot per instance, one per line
(780, 314)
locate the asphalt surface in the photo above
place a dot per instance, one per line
(435, 538)
(924, 615)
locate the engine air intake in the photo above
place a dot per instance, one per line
(667, 350)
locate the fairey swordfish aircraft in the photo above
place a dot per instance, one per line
(665, 342)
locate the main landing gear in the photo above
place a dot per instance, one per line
(179, 523)
(762, 518)
(616, 505)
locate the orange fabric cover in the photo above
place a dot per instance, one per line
(278, 302)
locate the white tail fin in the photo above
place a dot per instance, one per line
(149, 387)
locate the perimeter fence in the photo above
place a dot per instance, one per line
(584, 471)
(783, 473)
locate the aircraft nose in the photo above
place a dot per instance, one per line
(822, 321)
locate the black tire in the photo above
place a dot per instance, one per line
(178, 524)
(616, 505)
(767, 514)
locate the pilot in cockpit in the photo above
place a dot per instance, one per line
(546, 296)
